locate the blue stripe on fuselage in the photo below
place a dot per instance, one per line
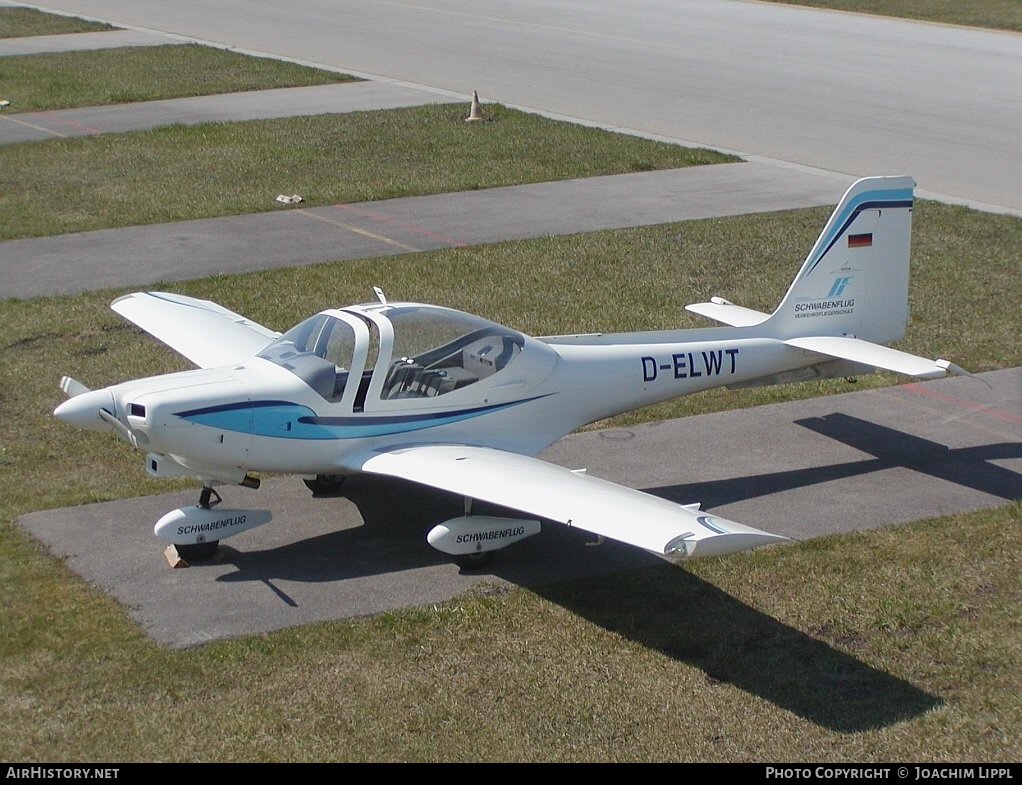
(285, 420)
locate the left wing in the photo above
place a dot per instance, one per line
(572, 498)
(206, 333)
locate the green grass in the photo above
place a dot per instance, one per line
(65, 80)
(20, 22)
(997, 14)
(183, 172)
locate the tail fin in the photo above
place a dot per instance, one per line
(855, 280)
(851, 295)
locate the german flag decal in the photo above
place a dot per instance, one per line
(860, 240)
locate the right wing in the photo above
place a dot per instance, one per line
(206, 333)
(571, 498)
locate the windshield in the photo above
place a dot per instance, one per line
(318, 351)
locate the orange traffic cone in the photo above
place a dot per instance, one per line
(476, 112)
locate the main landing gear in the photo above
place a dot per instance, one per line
(325, 484)
(474, 561)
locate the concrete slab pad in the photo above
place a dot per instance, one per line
(224, 107)
(803, 469)
(293, 236)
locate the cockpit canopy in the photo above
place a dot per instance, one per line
(422, 351)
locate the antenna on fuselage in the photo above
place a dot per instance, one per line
(380, 295)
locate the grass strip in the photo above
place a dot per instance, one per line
(21, 22)
(996, 14)
(130, 74)
(183, 172)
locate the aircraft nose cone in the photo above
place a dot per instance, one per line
(82, 411)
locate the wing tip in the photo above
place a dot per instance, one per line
(687, 547)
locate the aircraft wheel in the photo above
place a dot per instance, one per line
(200, 551)
(325, 484)
(474, 561)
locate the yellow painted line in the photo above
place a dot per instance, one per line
(357, 230)
(32, 126)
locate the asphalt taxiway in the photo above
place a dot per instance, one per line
(292, 235)
(844, 92)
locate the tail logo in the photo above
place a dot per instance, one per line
(839, 285)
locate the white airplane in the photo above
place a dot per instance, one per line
(459, 403)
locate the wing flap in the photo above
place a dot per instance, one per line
(206, 333)
(857, 350)
(571, 498)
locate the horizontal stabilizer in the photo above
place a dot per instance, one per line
(721, 310)
(206, 333)
(884, 357)
(577, 500)
(957, 370)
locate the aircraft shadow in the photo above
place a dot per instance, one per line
(658, 605)
(690, 620)
(392, 538)
(971, 467)
(968, 466)
(396, 516)
(669, 610)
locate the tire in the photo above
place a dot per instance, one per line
(200, 551)
(325, 484)
(474, 561)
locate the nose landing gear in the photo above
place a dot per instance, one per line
(202, 551)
